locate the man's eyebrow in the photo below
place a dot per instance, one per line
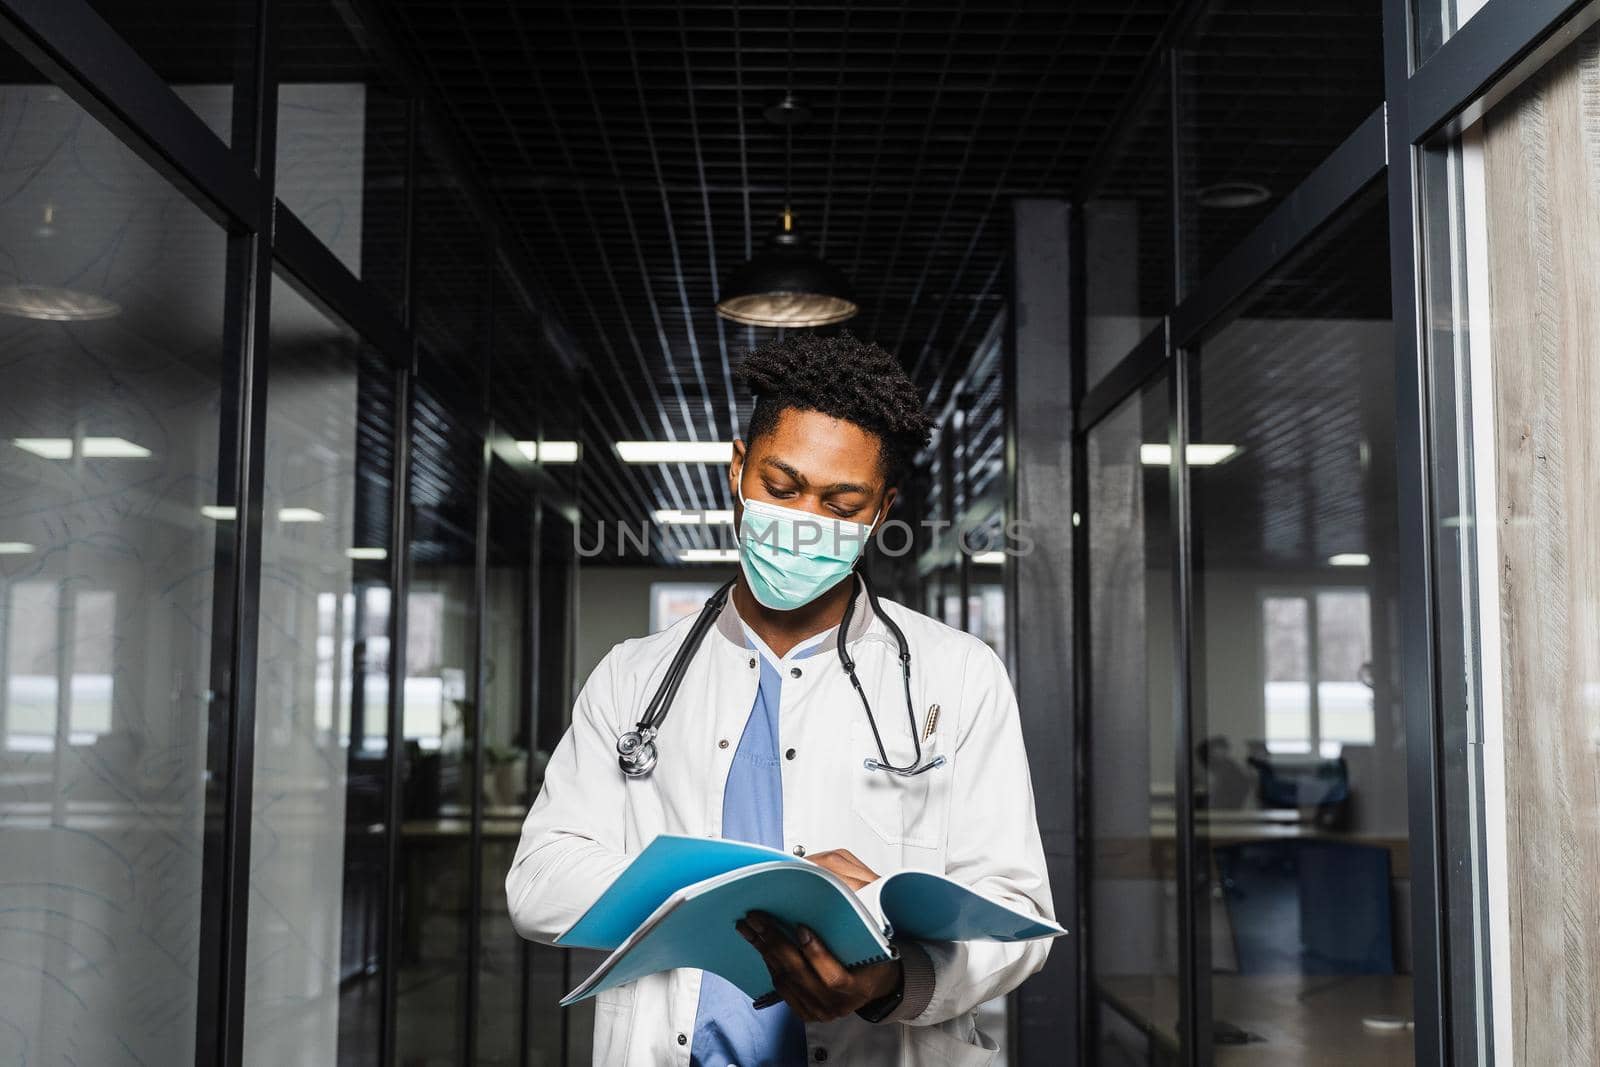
(836, 487)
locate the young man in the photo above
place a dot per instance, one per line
(769, 741)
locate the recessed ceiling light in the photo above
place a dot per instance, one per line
(1200, 455)
(675, 451)
(299, 515)
(678, 517)
(15, 548)
(52, 303)
(1233, 195)
(709, 555)
(220, 512)
(1349, 559)
(367, 553)
(549, 451)
(93, 447)
(990, 558)
(48, 447)
(112, 448)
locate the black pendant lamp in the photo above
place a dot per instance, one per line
(786, 284)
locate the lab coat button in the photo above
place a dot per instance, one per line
(723, 743)
(789, 754)
(794, 672)
(799, 850)
(683, 1039)
(752, 663)
(820, 1055)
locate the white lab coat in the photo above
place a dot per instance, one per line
(972, 819)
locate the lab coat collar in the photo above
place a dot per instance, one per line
(731, 626)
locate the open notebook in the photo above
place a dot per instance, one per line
(676, 903)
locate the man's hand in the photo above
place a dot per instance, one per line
(843, 862)
(806, 975)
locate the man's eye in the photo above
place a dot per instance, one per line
(781, 494)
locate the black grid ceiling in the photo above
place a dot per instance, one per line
(627, 148)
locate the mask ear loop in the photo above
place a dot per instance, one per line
(738, 494)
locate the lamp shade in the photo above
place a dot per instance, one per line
(787, 285)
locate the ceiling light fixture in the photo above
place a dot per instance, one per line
(1349, 559)
(709, 555)
(299, 515)
(54, 303)
(113, 448)
(220, 512)
(549, 451)
(675, 451)
(1233, 196)
(15, 548)
(993, 557)
(367, 553)
(46, 447)
(785, 284)
(92, 448)
(1199, 455)
(690, 517)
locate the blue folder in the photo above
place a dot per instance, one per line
(676, 904)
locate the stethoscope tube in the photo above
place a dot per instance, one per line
(916, 766)
(636, 749)
(637, 753)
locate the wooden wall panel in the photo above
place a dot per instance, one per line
(1542, 177)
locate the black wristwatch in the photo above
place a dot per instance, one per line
(878, 1010)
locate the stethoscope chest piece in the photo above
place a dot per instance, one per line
(636, 752)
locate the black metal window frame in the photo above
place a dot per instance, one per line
(1480, 64)
(77, 50)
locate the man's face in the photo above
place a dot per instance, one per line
(813, 462)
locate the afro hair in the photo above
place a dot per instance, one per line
(844, 378)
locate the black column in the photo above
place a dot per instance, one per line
(1040, 598)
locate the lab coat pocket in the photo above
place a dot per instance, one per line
(899, 810)
(613, 1025)
(927, 1046)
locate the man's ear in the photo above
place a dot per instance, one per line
(888, 503)
(736, 468)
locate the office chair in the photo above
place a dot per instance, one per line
(1310, 783)
(1308, 907)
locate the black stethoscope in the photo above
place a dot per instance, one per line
(636, 749)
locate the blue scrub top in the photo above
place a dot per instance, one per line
(728, 1032)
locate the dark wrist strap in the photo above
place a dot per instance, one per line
(878, 1010)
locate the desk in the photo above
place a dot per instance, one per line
(1310, 1021)
(1154, 855)
(452, 830)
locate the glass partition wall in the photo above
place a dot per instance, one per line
(118, 520)
(269, 575)
(1333, 294)
(1297, 744)
(1132, 804)
(322, 690)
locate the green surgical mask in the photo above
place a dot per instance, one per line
(791, 557)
